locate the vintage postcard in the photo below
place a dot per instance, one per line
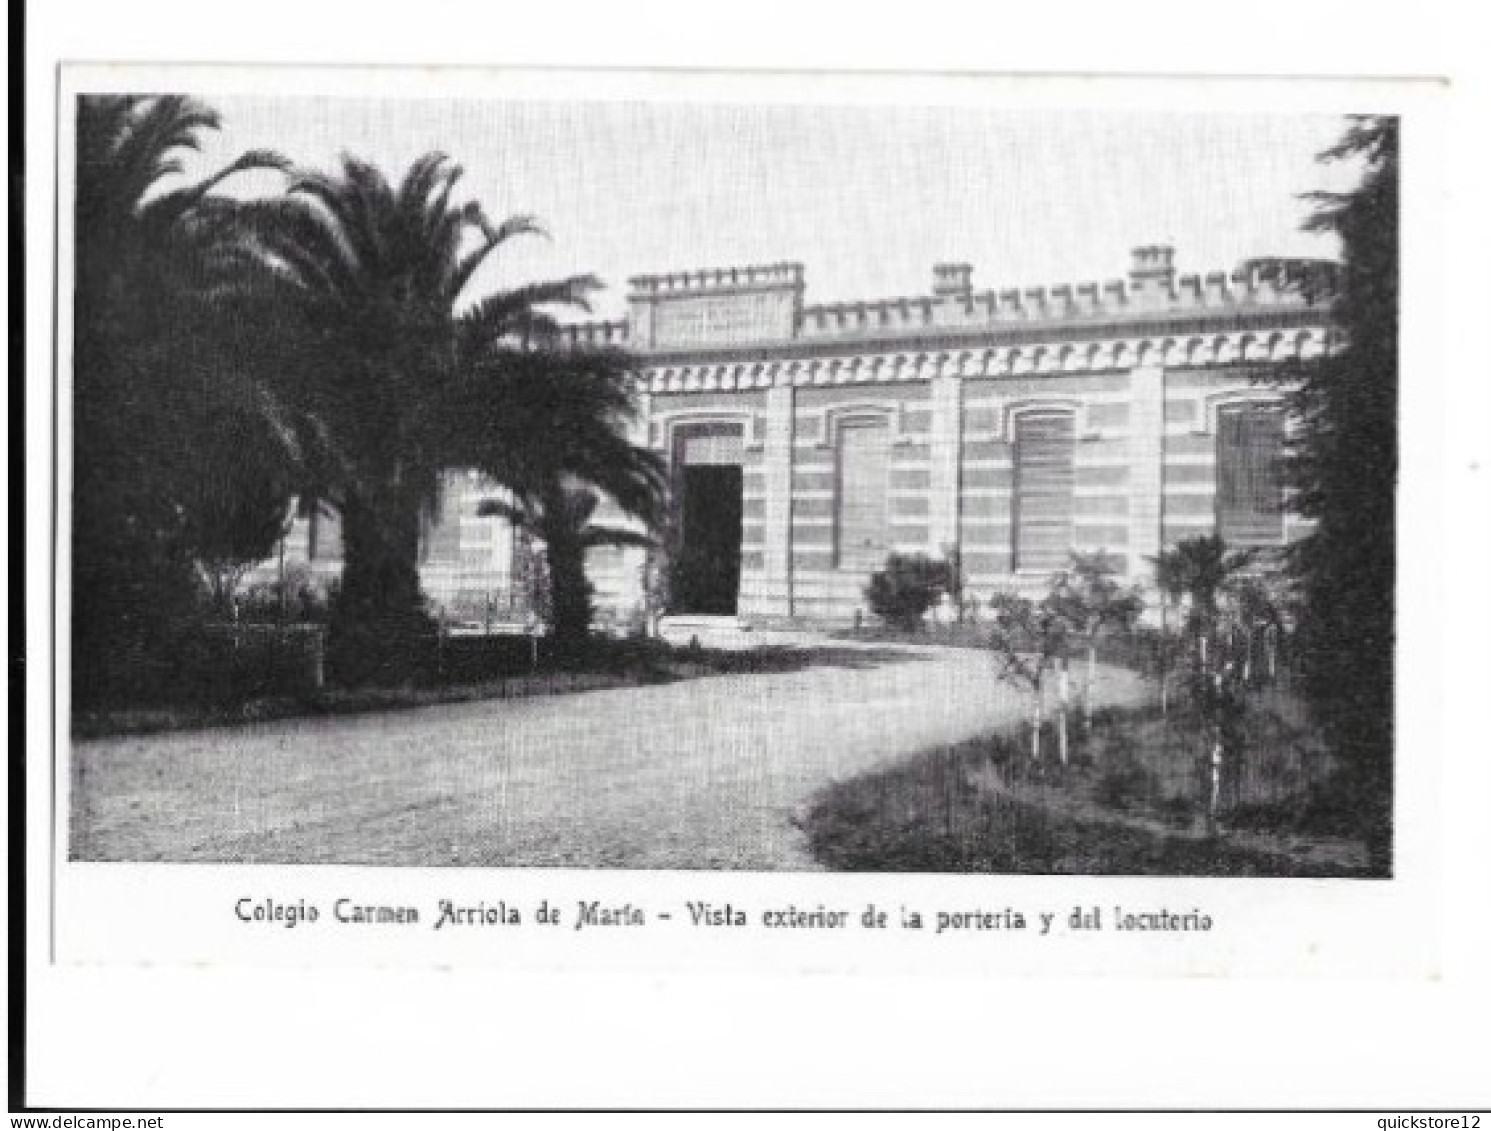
(920, 531)
(700, 475)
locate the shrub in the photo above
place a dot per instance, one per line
(1125, 784)
(306, 600)
(1177, 810)
(224, 665)
(909, 585)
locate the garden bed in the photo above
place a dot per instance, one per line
(605, 665)
(1133, 799)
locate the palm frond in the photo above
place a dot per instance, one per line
(169, 208)
(343, 212)
(424, 175)
(156, 128)
(511, 228)
(616, 536)
(502, 316)
(493, 238)
(514, 513)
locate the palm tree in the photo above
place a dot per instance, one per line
(1202, 569)
(154, 389)
(561, 514)
(406, 382)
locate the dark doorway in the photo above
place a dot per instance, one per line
(706, 577)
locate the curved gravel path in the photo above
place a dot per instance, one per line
(699, 774)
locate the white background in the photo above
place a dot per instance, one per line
(832, 1032)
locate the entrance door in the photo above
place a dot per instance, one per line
(709, 565)
(708, 487)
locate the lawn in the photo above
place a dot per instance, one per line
(1132, 800)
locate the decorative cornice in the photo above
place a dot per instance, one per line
(1109, 355)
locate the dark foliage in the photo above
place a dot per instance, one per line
(1204, 570)
(217, 665)
(157, 397)
(1345, 467)
(406, 381)
(906, 588)
(1125, 783)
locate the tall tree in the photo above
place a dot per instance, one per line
(154, 388)
(1345, 468)
(407, 380)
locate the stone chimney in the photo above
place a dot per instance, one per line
(1152, 266)
(952, 280)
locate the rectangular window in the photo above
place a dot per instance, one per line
(864, 491)
(1250, 475)
(1045, 478)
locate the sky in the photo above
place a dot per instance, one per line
(867, 197)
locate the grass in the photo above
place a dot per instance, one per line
(1127, 804)
(1113, 649)
(610, 664)
(967, 634)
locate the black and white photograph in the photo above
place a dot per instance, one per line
(695, 485)
(771, 557)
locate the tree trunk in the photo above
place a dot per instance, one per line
(1164, 656)
(569, 591)
(1063, 685)
(1092, 679)
(1035, 728)
(379, 625)
(1214, 800)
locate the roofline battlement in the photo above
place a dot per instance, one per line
(753, 276)
(594, 335)
(1151, 291)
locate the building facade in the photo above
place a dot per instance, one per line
(807, 442)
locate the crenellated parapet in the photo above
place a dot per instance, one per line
(594, 335)
(1151, 291)
(706, 309)
(1037, 329)
(719, 279)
